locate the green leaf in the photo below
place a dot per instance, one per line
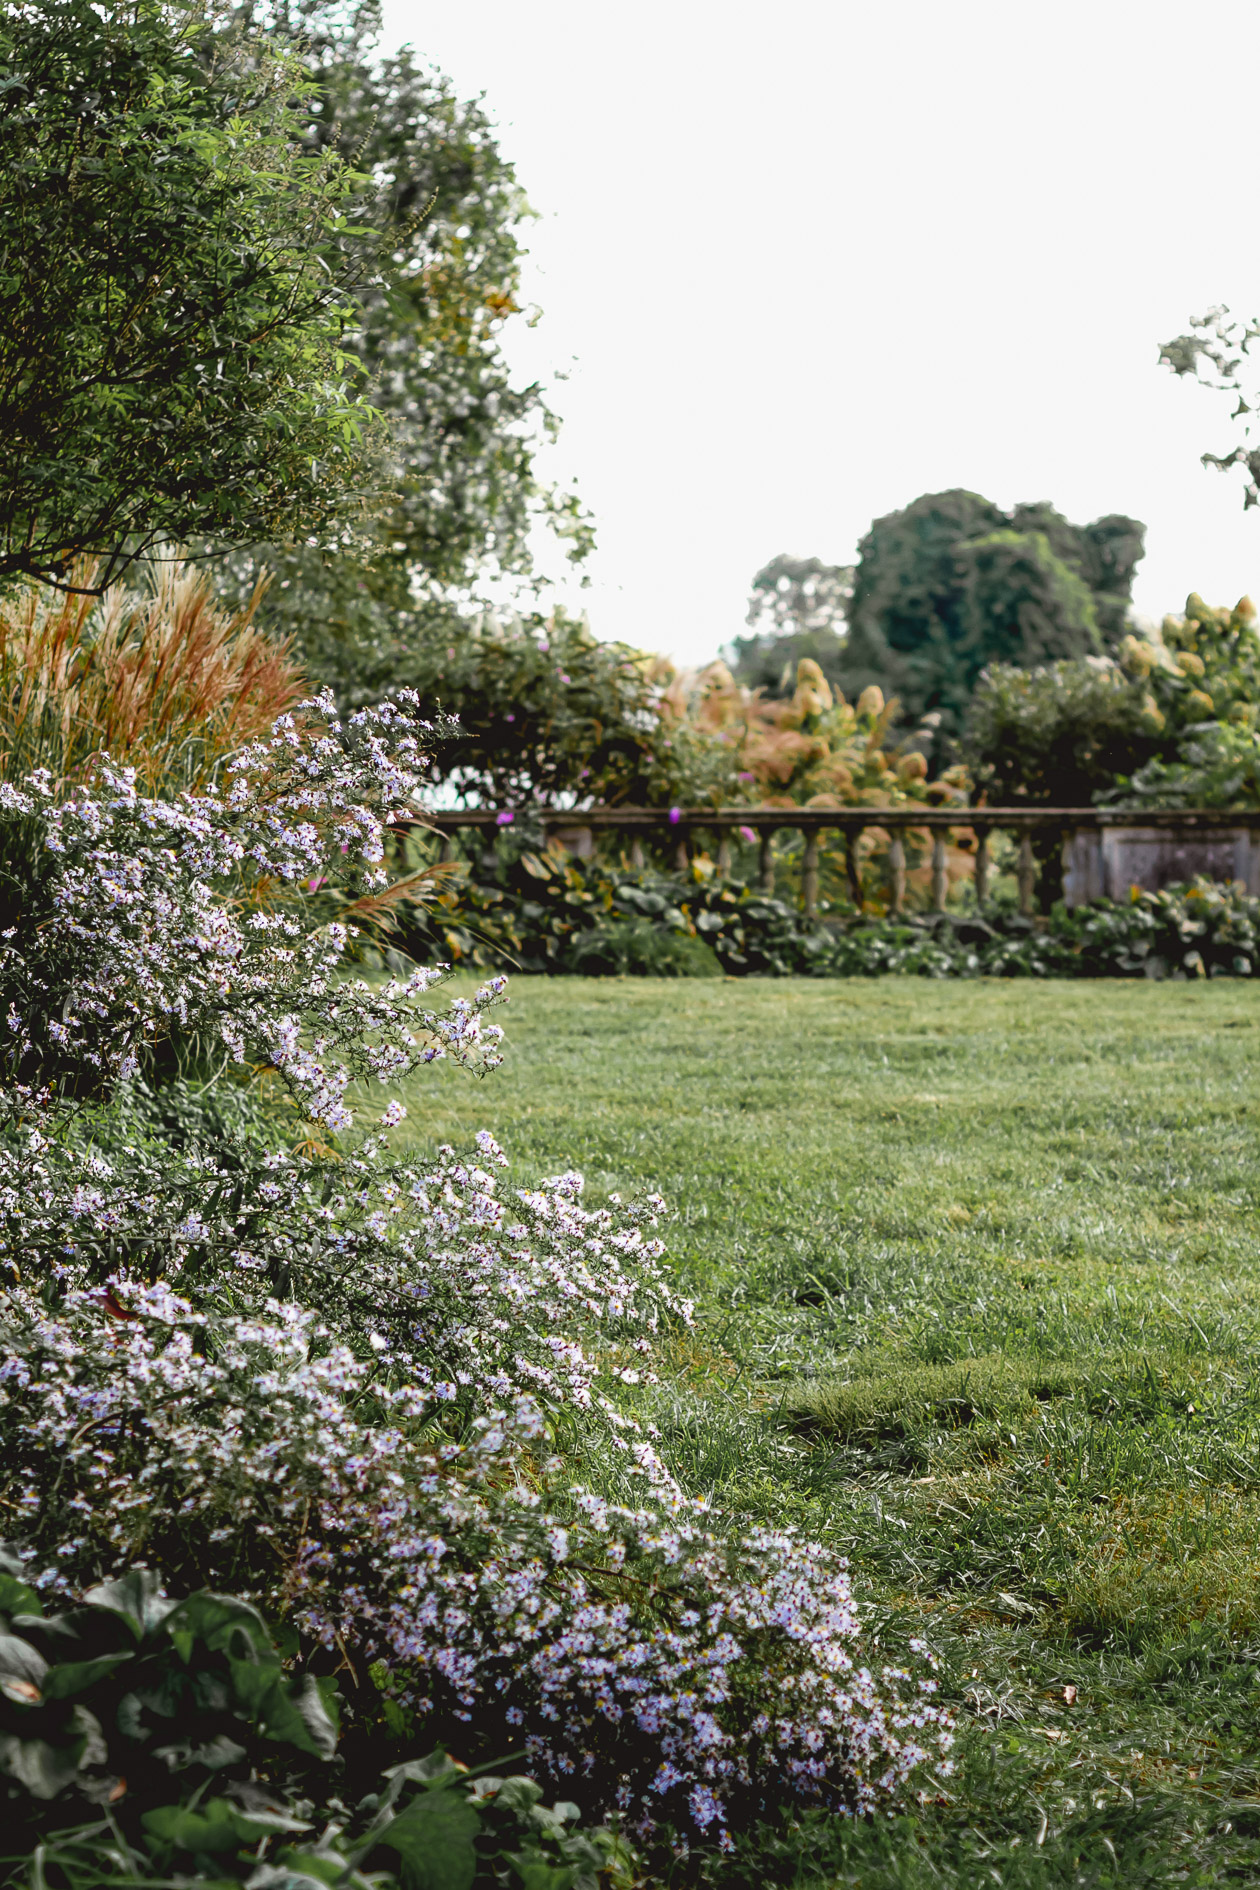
(21, 1668)
(136, 1596)
(43, 1768)
(214, 1828)
(434, 1841)
(16, 1597)
(536, 1874)
(299, 1713)
(75, 1676)
(225, 1624)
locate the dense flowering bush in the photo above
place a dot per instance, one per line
(153, 918)
(385, 1472)
(679, 1669)
(420, 1266)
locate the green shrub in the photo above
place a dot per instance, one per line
(1059, 735)
(597, 920)
(637, 948)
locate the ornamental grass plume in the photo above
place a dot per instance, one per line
(221, 916)
(161, 679)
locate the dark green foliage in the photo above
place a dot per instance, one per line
(1182, 932)
(548, 912)
(1059, 735)
(1020, 603)
(1173, 723)
(598, 920)
(634, 947)
(1104, 556)
(170, 359)
(141, 1737)
(440, 240)
(952, 583)
(132, 1701)
(797, 608)
(547, 711)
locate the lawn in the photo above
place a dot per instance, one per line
(978, 1306)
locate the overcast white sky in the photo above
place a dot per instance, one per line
(804, 262)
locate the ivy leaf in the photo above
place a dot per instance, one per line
(43, 1768)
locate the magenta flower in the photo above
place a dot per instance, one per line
(675, 815)
(504, 819)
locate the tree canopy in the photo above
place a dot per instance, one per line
(953, 583)
(797, 612)
(171, 363)
(439, 234)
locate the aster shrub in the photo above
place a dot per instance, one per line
(387, 1473)
(679, 1669)
(211, 915)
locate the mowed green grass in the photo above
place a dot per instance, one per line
(978, 1303)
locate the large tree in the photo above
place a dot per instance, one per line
(170, 331)
(441, 233)
(953, 583)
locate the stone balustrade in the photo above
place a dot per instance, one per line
(1105, 850)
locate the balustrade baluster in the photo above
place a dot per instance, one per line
(766, 861)
(853, 872)
(982, 868)
(938, 872)
(897, 869)
(809, 876)
(1026, 873)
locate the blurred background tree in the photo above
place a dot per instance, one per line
(953, 583)
(942, 588)
(439, 240)
(798, 610)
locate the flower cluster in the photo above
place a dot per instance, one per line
(682, 1673)
(196, 918)
(422, 1268)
